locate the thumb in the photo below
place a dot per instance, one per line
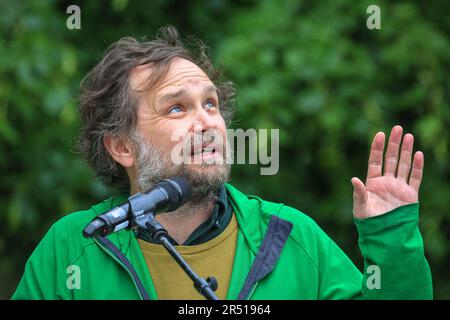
(359, 199)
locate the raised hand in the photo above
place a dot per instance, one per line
(398, 185)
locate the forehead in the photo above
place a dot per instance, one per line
(181, 73)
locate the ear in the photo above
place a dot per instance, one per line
(120, 150)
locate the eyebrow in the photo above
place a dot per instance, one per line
(182, 92)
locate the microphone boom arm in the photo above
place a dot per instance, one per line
(140, 210)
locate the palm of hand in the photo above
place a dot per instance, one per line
(397, 186)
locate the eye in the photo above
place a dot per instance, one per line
(210, 104)
(175, 109)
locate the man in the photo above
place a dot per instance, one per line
(131, 104)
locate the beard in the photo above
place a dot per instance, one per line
(154, 165)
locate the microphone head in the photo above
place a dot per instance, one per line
(179, 191)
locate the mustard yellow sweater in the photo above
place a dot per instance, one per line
(212, 258)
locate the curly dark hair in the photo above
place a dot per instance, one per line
(107, 107)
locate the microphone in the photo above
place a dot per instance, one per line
(167, 195)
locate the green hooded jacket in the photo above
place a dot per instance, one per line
(281, 253)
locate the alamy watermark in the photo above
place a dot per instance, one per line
(74, 20)
(73, 277)
(373, 281)
(374, 20)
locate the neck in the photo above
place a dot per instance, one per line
(182, 222)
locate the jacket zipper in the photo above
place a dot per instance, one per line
(122, 265)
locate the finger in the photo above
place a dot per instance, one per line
(376, 156)
(404, 164)
(359, 198)
(391, 158)
(417, 171)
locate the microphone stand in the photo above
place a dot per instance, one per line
(158, 233)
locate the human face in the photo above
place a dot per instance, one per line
(185, 102)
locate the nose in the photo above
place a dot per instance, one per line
(204, 121)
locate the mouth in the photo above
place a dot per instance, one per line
(205, 152)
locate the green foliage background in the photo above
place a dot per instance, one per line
(310, 68)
